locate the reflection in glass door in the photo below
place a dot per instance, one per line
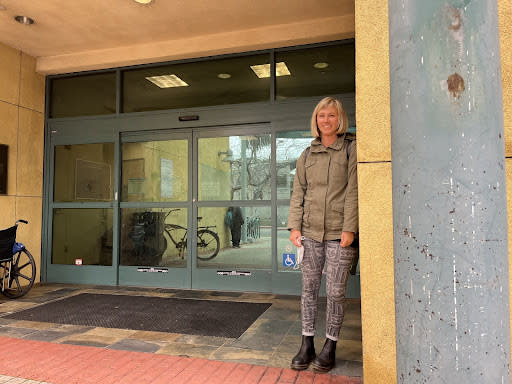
(233, 209)
(81, 207)
(82, 204)
(154, 213)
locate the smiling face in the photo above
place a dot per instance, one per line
(327, 121)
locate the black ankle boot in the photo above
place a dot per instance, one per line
(325, 360)
(306, 354)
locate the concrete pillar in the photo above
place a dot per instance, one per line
(449, 196)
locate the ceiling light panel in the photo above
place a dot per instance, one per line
(167, 81)
(263, 70)
(321, 65)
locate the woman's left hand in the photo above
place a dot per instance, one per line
(346, 239)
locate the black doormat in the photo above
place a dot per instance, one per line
(189, 316)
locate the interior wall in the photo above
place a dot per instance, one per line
(22, 129)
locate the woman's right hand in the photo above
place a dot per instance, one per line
(295, 237)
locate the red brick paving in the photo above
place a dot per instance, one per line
(73, 364)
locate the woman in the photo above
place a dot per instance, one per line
(323, 218)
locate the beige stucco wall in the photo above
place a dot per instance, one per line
(505, 20)
(22, 129)
(375, 202)
(264, 37)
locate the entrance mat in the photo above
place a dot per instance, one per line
(189, 316)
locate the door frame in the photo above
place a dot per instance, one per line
(66, 273)
(258, 279)
(167, 277)
(283, 116)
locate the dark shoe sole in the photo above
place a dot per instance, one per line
(321, 368)
(299, 367)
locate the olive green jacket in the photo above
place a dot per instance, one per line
(324, 197)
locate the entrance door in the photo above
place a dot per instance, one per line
(155, 211)
(232, 195)
(176, 192)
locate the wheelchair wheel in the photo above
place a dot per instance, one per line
(23, 274)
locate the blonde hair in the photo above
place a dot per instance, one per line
(342, 115)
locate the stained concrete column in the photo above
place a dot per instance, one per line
(449, 196)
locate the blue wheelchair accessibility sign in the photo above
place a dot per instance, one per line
(288, 259)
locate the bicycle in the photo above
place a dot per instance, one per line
(17, 265)
(208, 243)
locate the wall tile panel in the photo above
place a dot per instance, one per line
(30, 153)
(9, 136)
(32, 89)
(377, 273)
(10, 59)
(31, 209)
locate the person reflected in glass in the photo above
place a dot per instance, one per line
(234, 220)
(323, 218)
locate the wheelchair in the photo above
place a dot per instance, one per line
(17, 266)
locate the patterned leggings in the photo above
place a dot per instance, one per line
(338, 261)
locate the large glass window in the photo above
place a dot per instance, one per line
(315, 71)
(299, 72)
(203, 83)
(284, 245)
(84, 172)
(289, 146)
(83, 95)
(82, 236)
(234, 168)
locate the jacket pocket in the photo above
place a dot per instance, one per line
(335, 216)
(307, 211)
(339, 171)
(310, 172)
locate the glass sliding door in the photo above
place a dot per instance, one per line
(154, 210)
(232, 211)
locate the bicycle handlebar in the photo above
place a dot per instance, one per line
(172, 210)
(21, 221)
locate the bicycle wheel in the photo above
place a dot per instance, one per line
(178, 236)
(23, 274)
(207, 244)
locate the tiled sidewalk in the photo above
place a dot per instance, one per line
(265, 348)
(49, 363)
(18, 380)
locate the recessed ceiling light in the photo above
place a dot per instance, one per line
(224, 76)
(143, 1)
(263, 70)
(24, 20)
(167, 81)
(321, 65)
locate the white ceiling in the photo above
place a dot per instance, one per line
(64, 28)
